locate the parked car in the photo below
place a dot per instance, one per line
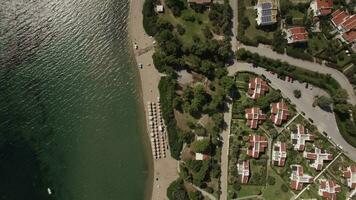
(325, 133)
(311, 120)
(306, 85)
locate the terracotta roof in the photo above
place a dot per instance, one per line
(257, 144)
(339, 17)
(322, 4)
(349, 37)
(254, 117)
(279, 113)
(257, 87)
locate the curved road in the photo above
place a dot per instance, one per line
(315, 67)
(325, 121)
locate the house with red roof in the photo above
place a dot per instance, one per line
(328, 189)
(254, 117)
(300, 137)
(298, 178)
(279, 113)
(257, 87)
(296, 34)
(317, 158)
(345, 24)
(243, 169)
(279, 154)
(257, 144)
(350, 175)
(321, 7)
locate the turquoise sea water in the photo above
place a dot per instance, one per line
(70, 117)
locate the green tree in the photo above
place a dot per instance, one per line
(340, 96)
(201, 146)
(271, 180)
(297, 94)
(177, 191)
(324, 102)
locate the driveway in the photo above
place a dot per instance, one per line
(337, 75)
(325, 121)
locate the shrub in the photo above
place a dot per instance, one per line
(271, 180)
(180, 29)
(149, 17)
(177, 191)
(284, 188)
(297, 94)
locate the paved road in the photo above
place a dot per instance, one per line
(325, 121)
(338, 76)
(225, 154)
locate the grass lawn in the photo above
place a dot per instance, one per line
(343, 59)
(191, 27)
(273, 191)
(316, 43)
(252, 32)
(248, 190)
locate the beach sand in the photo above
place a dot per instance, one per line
(165, 169)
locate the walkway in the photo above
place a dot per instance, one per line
(315, 67)
(205, 193)
(325, 121)
(316, 178)
(225, 153)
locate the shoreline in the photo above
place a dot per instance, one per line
(162, 171)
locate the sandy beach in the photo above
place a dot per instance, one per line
(164, 169)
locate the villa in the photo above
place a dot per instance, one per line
(298, 178)
(321, 7)
(350, 175)
(296, 34)
(159, 9)
(254, 117)
(317, 158)
(279, 113)
(345, 24)
(279, 154)
(257, 145)
(243, 169)
(300, 137)
(257, 87)
(266, 12)
(328, 189)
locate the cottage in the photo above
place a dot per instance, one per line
(298, 178)
(279, 113)
(257, 87)
(350, 175)
(257, 145)
(297, 34)
(317, 158)
(200, 156)
(159, 8)
(279, 154)
(254, 117)
(345, 24)
(243, 169)
(266, 12)
(328, 189)
(321, 7)
(300, 137)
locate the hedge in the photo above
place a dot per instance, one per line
(166, 88)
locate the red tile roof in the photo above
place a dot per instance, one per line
(324, 6)
(257, 87)
(257, 145)
(297, 34)
(279, 113)
(254, 117)
(339, 17)
(350, 36)
(328, 189)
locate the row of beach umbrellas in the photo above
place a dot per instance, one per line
(157, 130)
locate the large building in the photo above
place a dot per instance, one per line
(243, 169)
(279, 154)
(257, 87)
(279, 113)
(321, 7)
(328, 189)
(317, 158)
(254, 117)
(257, 144)
(296, 35)
(345, 24)
(300, 137)
(266, 12)
(298, 178)
(350, 175)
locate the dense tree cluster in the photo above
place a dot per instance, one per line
(221, 15)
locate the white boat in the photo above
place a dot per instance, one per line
(49, 191)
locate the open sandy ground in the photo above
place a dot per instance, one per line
(164, 170)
